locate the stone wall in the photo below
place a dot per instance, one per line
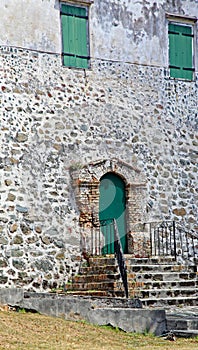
(55, 121)
(126, 314)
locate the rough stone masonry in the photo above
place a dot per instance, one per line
(61, 125)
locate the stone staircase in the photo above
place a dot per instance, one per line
(98, 276)
(160, 282)
(156, 282)
(182, 322)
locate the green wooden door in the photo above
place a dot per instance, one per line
(112, 205)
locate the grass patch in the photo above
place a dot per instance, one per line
(31, 331)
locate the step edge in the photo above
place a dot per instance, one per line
(170, 298)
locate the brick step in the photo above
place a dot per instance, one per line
(96, 293)
(162, 293)
(92, 270)
(165, 302)
(102, 261)
(95, 286)
(160, 268)
(96, 278)
(165, 276)
(155, 285)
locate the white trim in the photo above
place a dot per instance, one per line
(79, 2)
(181, 18)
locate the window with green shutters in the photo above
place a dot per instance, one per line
(75, 36)
(181, 51)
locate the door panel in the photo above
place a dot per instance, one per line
(112, 205)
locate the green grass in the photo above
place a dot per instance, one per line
(25, 331)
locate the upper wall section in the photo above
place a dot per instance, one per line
(125, 30)
(136, 31)
(30, 24)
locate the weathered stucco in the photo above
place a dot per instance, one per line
(56, 120)
(128, 31)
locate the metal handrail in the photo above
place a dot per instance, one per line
(191, 233)
(120, 258)
(169, 238)
(93, 243)
(191, 239)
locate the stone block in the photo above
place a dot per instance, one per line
(131, 320)
(11, 296)
(138, 244)
(84, 308)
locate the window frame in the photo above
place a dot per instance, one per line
(83, 5)
(188, 22)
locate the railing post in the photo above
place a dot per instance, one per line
(174, 240)
(120, 258)
(151, 243)
(92, 240)
(158, 238)
(187, 245)
(193, 249)
(99, 241)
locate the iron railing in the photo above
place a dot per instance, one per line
(186, 243)
(163, 239)
(101, 239)
(97, 237)
(120, 258)
(169, 238)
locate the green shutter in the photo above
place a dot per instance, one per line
(180, 51)
(81, 42)
(74, 29)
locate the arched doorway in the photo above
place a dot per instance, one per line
(112, 204)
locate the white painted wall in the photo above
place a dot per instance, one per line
(123, 30)
(30, 24)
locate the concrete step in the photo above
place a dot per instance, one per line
(183, 322)
(169, 301)
(155, 260)
(155, 285)
(163, 293)
(160, 268)
(185, 333)
(165, 276)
